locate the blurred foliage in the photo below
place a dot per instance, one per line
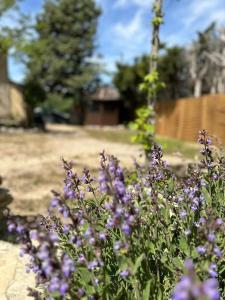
(54, 102)
(57, 57)
(144, 127)
(55, 47)
(172, 71)
(5, 5)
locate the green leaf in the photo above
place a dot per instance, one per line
(138, 263)
(146, 292)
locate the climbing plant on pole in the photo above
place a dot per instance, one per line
(144, 123)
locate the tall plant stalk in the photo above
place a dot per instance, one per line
(144, 125)
(155, 43)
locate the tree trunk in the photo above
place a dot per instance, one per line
(198, 88)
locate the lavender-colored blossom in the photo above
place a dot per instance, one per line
(81, 259)
(68, 266)
(102, 236)
(201, 249)
(11, 227)
(92, 265)
(213, 270)
(124, 274)
(88, 232)
(80, 292)
(183, 289)
(126, 229)
(34, 235)
(219, 222)
(211, 237)
(64, 288)
(183, 214)
(55, 202)
(118, 245)
(91, 241)
(20, 229)
(217, 251)
(211, 289)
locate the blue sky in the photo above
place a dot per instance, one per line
(124, 28)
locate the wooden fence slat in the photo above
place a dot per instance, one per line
(183, 118)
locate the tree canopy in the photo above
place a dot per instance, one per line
(173, 71)
(57, 58)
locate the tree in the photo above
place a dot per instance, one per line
(199, 62)
(57, 59)
(127, 79)
(173, 69)
(6, 5)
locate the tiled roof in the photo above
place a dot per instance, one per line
(105, 93)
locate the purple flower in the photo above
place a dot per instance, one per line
(126, 229)
(211, 289)
(80, 292)
(201, 250)
(217, 251)
(183, 214)
(92, 241)
(92, 265)
(54, 202)
(64, 288)
(102, 236)
(11, 227)
(67, 266)
(124, 274)
(119, 187)
(34, 235)
(219, 222)
(118, 245)
(20, 229)
(211, 237)
(54, 284)
(88, 232)
(47, 267)
(66, 228)
(43, 252)
(182, 289)
(213, 270)
(81, 260)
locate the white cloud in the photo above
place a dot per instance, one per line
(134, 30)
(140, 3)
(198, 10)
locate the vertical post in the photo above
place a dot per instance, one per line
(3, 68)
(156, 23)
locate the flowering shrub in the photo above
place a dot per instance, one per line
(143, 234)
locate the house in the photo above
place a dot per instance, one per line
(103, 107)
(13, 109)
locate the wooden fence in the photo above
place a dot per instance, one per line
(183, 118)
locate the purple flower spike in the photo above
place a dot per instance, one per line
(211, 289)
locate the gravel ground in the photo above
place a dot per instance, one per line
(31, 165)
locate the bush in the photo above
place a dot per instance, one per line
(141, 235)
